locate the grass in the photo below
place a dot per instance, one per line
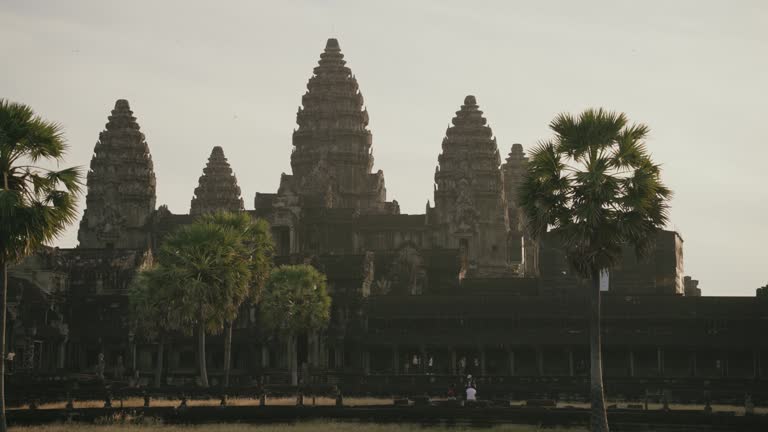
(315, 426)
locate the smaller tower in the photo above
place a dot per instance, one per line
(523, 250)
(121, 186)
(217, 189)
(470, 204)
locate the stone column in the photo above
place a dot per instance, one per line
(631, 363)
(395, 359)
(423, 358)
(366, 362)
(660, 361)
(694, 365)
(755, 364)
(264, 356)
(482, 361)
(540, 361)
(62, 353)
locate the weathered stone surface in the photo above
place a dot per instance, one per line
(523, 249)
(332, 158)
(218, 189)
(121, 186)
(470, 203)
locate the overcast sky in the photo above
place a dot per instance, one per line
(201, 74)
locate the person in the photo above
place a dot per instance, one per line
(452, 392)
(471, 394)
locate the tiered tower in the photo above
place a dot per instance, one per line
(121, 186)
(332, 157)
(523, 250)
(218, 189)
(470, 204)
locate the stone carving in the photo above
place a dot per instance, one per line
(121, 185)
(406, 274)
(217, 189)
(469, 193)
(332, 158)
(466, 216)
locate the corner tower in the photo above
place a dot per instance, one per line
(217, 188)
(470, 204)
(523, 249)
(121, 186)
(332, 157)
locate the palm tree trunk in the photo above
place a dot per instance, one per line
(293, 359)
(598, 418)
(159, 365)
(227, 352)
(201, 354)
(4, 270)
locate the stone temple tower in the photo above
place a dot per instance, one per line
(121, 186)
(470, 204)
(332, 157)
(523, 250)
(217, 189)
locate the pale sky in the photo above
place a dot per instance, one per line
(231, 73)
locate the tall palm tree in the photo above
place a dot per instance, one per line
(295, 302)
(208, 276)
(154, 311)
(595, 187)
(257, 240)
(36, 204)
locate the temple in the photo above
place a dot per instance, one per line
(417, 298)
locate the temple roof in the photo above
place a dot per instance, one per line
(218, 189)
(333, 99)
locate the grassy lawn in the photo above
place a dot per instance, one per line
(298, 427)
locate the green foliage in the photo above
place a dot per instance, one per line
(205, 268)
(36, 204)
(295, 300)
(596, 186)
(152, 306)
(257, 240)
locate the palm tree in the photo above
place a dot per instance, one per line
(295, 301)
(153, 310)
(36, 204)
(257, 239)
(595, 187)
(208, 277)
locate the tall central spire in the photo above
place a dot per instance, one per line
(332, 157)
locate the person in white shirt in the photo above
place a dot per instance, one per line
(471, 394)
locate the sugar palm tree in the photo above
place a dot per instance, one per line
(154, 310)
(257, 239)
(595, 187)
(36, 204)
(208, 277)
(295, 301)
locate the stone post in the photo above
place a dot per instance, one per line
(540, 361)
(264, 357)
(660, 361)
(395, 359)
(482, 361)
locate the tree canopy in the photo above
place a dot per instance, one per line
(295, 300)
(597, 187)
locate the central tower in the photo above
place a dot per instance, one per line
(332, 157)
